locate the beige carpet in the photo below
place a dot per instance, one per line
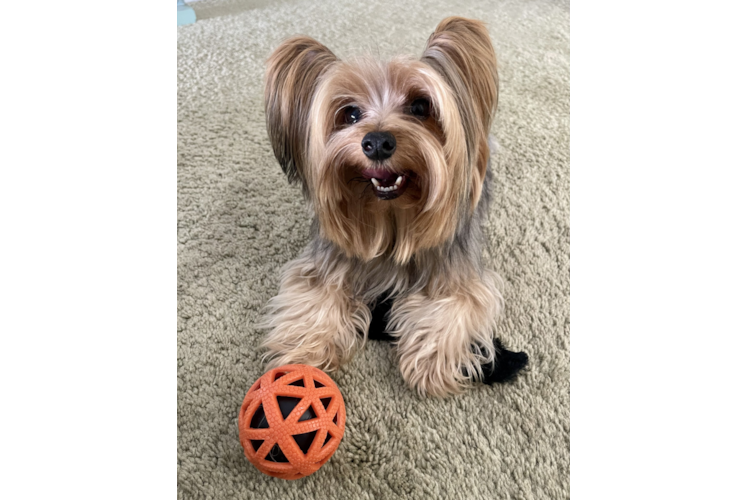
(239, 221)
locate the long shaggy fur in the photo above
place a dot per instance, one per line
(421, 249)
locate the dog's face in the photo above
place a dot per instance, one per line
(391, 155)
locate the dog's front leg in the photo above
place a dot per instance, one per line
(445, 338)
(313, 320)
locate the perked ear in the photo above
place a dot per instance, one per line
(460, 50)
(293, 71)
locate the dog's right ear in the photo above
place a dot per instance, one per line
(293, 71)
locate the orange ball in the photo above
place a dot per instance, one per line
(291, 421)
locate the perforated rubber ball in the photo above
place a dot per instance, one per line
(291, 421)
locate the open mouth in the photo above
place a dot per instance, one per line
(387, 185)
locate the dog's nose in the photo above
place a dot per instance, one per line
(379, 145)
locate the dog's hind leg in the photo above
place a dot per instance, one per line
(380, 313)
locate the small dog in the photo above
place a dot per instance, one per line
(393, 160)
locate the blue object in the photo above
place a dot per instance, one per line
(185, 14)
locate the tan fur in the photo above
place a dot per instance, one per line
(313, 321)
(461, 51)
(425, 217)
(438, 334)
(292, 73)
(423, 248)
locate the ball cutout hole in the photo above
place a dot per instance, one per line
(276, 455)
(287, 404)
(258, 419)
(308, 414)
(305, 440)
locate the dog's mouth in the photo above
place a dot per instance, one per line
(387, 185)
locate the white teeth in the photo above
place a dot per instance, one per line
(393, 187)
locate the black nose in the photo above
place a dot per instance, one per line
(379, 145)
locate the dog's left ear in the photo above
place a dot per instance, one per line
(460, 50)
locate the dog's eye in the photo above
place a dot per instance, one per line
(420, 108)
(351, 114)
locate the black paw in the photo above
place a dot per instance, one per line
(379, 315)
(506, 366)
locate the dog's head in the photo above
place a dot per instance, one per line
(391, 155)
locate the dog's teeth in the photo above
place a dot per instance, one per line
(387, 189)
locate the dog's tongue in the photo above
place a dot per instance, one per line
(385, 177)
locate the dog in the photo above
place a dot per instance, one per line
(393, 159)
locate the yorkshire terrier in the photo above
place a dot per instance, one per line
(393, 158)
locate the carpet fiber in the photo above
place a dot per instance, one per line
(239, 221)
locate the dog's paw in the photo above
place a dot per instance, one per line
(506, 366)
(380, 313)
